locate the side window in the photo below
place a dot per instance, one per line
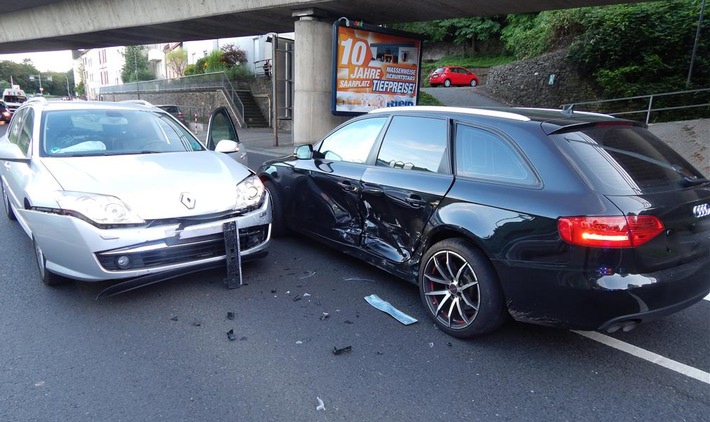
(20, 133)
(485, 155)
(221, 128)
(13, 132)
(415, 143)
(352, 142)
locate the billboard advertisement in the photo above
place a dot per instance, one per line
(373, 67)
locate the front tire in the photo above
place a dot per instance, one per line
(6, 202)
(48, 277)
(474, 82)
(278, 227)
(460, 289)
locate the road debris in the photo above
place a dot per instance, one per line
(321, 405)
(386, 307)
(231, 336)
(324, 316)
(230, 315)
(340, 351)
(358, 279)
(175, 318)
(307, 274)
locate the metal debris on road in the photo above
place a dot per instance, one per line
(386, 307)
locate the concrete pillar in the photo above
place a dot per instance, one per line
(313, 81)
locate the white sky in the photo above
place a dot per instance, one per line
(51, 61)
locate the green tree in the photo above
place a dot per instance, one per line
(642, 48)
(177, 60)
(135, 65)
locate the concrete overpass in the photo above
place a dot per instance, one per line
(50, 25)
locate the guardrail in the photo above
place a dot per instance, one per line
(215, 80)
(648, 104)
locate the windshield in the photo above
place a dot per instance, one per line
(625, 159)
(14, 99)
(112, 132)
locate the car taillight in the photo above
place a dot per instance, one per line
(609, 232)
(180, 115)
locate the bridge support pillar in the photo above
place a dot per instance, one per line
(313, 80)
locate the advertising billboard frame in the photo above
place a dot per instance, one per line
(391, 77)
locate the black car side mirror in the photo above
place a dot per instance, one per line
(304, 152)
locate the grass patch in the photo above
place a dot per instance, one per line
(428, 99)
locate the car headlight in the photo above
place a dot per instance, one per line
(250, 194)
(97, 209)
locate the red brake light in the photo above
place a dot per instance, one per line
(180, 115)
(609, 232)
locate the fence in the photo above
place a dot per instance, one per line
(679, 105)
(216, 80)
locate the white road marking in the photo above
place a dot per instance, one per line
(707, 297)
(649, 356)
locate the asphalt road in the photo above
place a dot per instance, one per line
(161, 353)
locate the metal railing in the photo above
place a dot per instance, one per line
(641, 105)
(216, 80)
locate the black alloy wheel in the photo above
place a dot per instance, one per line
(460, 290)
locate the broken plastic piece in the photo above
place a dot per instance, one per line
(345, 349)
(307, 274)
(321, 405)
(385, 306)
(324, 316)
(231, 336)
(230, 315)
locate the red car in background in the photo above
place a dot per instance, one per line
(453, 75)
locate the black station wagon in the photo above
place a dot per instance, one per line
(562, 218)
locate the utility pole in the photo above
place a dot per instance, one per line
(695, 44)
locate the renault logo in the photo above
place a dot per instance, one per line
(187, 200)
(701, 211)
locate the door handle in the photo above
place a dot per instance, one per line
(347, 186)
(415, 201)
(372, 190)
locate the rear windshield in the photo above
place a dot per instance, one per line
(625, 160)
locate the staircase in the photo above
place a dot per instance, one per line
(253, 117)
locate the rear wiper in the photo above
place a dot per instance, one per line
(688, 181)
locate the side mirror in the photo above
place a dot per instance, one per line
(11, 152)
(227, 146)
(304, 152)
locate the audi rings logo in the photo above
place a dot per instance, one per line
(187, 200)
(701, 211)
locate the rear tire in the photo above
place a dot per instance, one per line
(278, 227)
(6, 202)
(460, 289)
(47, 277)
(447, 83)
